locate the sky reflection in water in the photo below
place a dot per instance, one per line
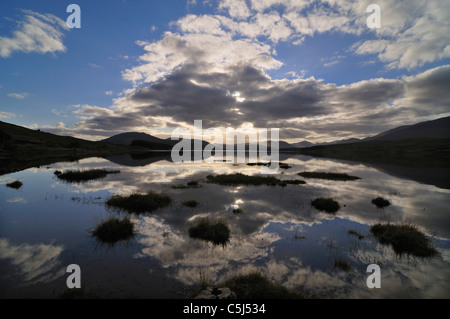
(45, 227)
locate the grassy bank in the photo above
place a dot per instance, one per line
(22, 148)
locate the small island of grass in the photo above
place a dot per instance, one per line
(241, 179)
(329, 176)
(380, 202)
(217, 233)
(328, 205)
(114, 230)
(139, 203)
(15, 185)
(405, 239)
(342, 265)
(79, 176)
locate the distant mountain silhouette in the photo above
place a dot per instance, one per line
(439, 128)
(145, 140)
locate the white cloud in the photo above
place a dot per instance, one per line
(18, 96)
(37, 32)
(236, 8)
(412, 34)
(6, 115)
(95, 66)
(109, 92)
(35, 262)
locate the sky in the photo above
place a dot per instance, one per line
(314, 69)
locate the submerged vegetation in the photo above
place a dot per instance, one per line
(78, 176)
(328, 205)
(15, 185)
(114, 230)
(217, 233)
(380, 202)
(405, 239)
(329, 176)
(139, 203)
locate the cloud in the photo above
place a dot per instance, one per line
(215, 67)
(41, 33)
(412, 34)
(6, 115)
(95, 66)
(18, 96)
(109, 92)
(35, 262)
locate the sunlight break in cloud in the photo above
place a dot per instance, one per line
(41, 33)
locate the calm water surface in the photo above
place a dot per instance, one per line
(45, 226)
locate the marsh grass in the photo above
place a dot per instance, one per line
(342, 265)
(114, 230)
(328, 205)
(294, 182)
(79, 176)
(217, 233)
(191, 184)
(139, 203)
(241, 179)
(329, 176)
(405, 239)
(15, 185)
(284, 166)
(380, 202)
(191, 203)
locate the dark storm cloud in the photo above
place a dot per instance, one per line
(304, 108)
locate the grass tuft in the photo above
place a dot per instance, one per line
(114, 230)
(15, 185)
(78, 176)
(328, 205)
(217, 233)
(241, 179)
(380, 202)
(139, 203)
(329, 176)
(405, 239)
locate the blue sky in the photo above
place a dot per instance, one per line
(312, 68)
